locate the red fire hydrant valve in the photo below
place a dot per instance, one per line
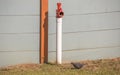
(59, 11)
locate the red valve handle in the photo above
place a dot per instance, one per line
(59, 11)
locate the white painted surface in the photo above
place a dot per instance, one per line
(59, 40)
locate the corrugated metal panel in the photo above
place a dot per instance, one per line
(91, 30)
(19, 42)
(19, 31)
(92, 26)
(90, 22)
(74, 7)
(12, 58)
(90, 54)
(81, 40)
(19, 24)
(19, 7)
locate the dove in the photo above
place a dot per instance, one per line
(77, 65)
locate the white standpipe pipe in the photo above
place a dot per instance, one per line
(59, 40)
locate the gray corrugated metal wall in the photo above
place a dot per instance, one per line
(19, 31)
(91, 29)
